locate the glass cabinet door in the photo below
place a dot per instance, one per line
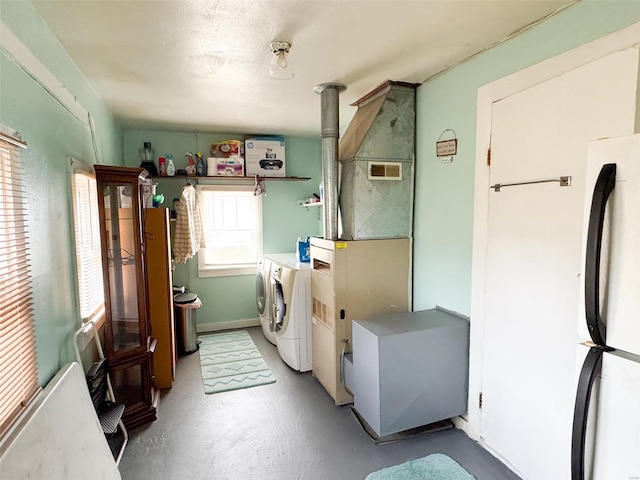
(122, 269)
(125, 293)
(128, 384)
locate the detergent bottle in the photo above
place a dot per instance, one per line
(171, 168)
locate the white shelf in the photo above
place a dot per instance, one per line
(218, 178)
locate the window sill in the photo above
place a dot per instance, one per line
(228, 271)
(98, 318)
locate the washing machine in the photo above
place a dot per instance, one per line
(263, 297)
(291, 310)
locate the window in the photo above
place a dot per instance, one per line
(232, 221)
(87, 238)
(18, 369)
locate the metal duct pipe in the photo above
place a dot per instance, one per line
(329, 119)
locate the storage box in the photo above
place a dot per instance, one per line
(302, 250)
(226, 167)
(227, 148)
(265, 156)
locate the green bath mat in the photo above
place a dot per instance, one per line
(432, 467)
(231, 361)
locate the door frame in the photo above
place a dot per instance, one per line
(487, 95)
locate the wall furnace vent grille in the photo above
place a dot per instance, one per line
(385, 170)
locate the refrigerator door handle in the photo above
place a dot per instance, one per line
(604, 186)
(590, 370)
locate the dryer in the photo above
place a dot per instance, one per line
(263, 297)
(291, 310)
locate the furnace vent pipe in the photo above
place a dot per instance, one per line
(329, 120)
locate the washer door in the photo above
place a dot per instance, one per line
(279, 307)
(261, 293)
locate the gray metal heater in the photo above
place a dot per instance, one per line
(409, 371)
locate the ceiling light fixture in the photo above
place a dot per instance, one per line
(279, 67)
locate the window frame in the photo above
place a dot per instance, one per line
(18, 352)
(211, 270)
(98, 312)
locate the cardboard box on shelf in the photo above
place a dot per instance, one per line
(226, 167)
(265, 156)
(227, 148)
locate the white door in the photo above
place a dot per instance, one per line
(534, 255)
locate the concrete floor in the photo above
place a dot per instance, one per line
(289, 430)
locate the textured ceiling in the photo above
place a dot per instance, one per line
(202, 65)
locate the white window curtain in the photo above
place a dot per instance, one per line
(87, 239)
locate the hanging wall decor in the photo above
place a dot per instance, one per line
(447, 148)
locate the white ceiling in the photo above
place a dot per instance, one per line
(202, 65)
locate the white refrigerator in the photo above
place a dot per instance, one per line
(606, 425)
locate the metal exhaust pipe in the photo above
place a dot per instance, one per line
(330, 108)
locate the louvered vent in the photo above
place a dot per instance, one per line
(322, 312)
(385, 171)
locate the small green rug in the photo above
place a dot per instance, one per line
(431, 467)
(231, 361)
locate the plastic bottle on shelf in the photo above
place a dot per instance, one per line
(162, 161)
(190, 168)
(201, 167)
(171, 168)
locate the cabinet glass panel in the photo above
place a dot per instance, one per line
(119, 227)
(128, 385)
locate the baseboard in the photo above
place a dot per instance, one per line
(216, 326)
(461, 423)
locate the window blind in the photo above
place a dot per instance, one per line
(87, 238)
(18, 368)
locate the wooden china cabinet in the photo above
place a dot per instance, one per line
(129, 346)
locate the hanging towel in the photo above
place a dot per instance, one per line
(189, 236)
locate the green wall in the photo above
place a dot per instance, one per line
(233, 298)
(52, 134)
(444, 191)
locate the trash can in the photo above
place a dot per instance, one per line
(185, 318)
